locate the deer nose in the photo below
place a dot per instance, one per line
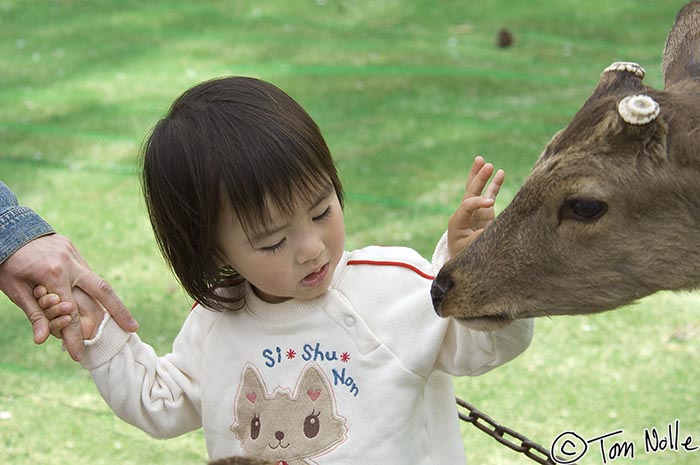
(441, 286)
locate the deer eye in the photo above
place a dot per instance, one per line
(582, 210)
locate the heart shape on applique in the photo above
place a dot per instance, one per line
(314, 393)
(251, 396)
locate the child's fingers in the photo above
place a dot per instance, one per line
(58, 310)
(495, 186)
(58, 324)
(462, 217)
(40, 291)
(472, 204)
(477, 183)
(53, 307)
(477, 164)
(48, 300)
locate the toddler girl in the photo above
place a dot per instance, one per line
(296, 351)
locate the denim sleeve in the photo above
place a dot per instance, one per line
(18, 225)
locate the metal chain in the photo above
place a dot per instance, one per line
(501, 433)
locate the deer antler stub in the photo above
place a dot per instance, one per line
(626, 66)
(638, 109)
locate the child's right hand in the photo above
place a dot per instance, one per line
(476, 211)
(91, 313)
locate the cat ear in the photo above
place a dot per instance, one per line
(250, 391)
(314, 385)
(252, 388)
(315, 390)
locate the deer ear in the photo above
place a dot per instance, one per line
(681, 59)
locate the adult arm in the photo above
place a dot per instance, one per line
(18, 225)
(31, 253)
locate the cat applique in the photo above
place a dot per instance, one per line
(287, 427)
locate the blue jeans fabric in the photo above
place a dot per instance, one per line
(18, 225)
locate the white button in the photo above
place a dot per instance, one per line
(349, 321)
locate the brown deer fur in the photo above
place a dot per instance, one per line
(609, 214)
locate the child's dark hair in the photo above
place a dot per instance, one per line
(234, 139)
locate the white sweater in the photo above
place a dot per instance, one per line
(360, 374)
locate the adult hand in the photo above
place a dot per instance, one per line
(53, 261)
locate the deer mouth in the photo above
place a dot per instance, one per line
(487, 322)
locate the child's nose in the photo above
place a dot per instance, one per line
(310, 248)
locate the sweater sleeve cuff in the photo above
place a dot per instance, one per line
(108, 341)
(440, 254)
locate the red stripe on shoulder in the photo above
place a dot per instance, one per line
(391, 263)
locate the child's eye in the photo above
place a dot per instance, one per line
(326, 213)
(274, 247)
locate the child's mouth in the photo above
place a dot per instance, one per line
(316, 278)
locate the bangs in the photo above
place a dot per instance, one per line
(280, 170)
(281, 195)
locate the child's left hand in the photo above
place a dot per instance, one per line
(476, 210)
(58, 312)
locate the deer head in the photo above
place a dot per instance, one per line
(611, 210)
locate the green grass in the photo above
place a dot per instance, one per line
(407, 93)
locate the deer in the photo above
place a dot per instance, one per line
(610, 212)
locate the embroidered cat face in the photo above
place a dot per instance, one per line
(283, 426)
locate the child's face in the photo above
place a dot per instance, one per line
(296, 257)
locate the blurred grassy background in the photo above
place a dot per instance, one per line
(407, 93)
